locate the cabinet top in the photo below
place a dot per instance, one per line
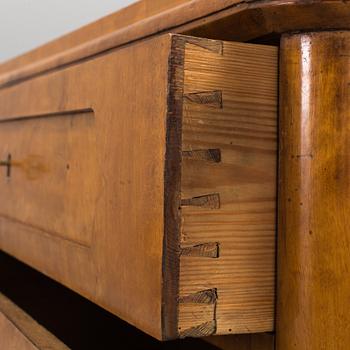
(238, 20)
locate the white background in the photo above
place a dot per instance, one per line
(26, 24)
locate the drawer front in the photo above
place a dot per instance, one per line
(83, 200)
(144, 179)
(18, 331)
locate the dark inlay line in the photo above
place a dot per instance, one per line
(7, 163)
(4, 119)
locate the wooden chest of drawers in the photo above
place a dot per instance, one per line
(145, 180)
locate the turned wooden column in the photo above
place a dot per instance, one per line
(313, 307)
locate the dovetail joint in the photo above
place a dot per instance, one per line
(211, 201)
(209, 155)
(205, 250)
(208, 296)
(215, 46)
(207, 98)
(202, 330)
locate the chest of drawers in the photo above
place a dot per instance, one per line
(139, 167)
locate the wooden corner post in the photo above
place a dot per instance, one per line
(313, 307)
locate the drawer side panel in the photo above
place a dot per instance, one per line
(228, 189)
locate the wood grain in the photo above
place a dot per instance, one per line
(314, 221)
(64, 203)
(240, 122)
(117, 162)
(259, 18)
(98, 200)
(239, 20)
(18, 331)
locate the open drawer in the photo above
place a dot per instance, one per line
(145, 179)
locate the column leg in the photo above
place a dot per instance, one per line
(313, 306)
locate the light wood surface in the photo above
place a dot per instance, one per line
(98, 226)
(239, 20)
(230, 105)
(75, 77)
(18, 331)
(48, 156)
(93, 184)
(313, 259)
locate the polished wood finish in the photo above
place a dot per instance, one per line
(313, 250)
(267, 19)
(239, 20)
(96, 196)
(18, 331)
(230, 110)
